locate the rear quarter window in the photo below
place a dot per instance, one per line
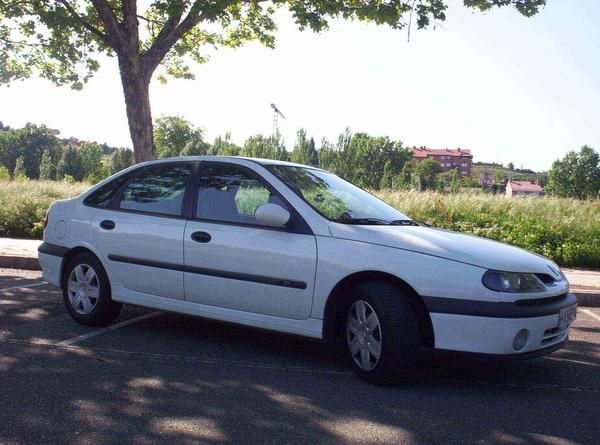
(102, 196)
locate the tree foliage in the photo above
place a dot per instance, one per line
(47, 170)
(175, 136)
(120, 160)
(29, 143)
(19, 173)
(576, 175)
(63, 40)
(267, 147)
(304, 150)
(70, 165)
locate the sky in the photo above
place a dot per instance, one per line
(509, 88)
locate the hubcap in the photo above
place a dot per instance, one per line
(363, 334)
(83, 289)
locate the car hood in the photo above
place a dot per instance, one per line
(446, 244)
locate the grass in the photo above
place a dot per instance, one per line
(565, 230)
(23, 205)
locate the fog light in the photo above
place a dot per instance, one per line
(520, 339)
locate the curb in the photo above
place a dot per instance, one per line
(18, 262)
(585, 296)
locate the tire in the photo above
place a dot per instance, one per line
(86, 291)
(397, 333)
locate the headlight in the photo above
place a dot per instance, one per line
(512, 282)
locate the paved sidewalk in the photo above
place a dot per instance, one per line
(19, 253)
(19, 247)
(22, 254)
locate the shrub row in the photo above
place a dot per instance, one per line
(23, 205)
(565, 230)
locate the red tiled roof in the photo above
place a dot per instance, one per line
(424, 152)
(525, 186)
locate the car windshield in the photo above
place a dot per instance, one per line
(336, 199)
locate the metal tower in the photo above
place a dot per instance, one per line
(276, 114)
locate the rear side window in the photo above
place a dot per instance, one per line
(159, 189)
(231, 194)
(102, 196)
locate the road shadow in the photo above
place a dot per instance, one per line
(241, 385)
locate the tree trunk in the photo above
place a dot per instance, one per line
(136, 85)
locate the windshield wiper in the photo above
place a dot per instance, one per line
(363, 221)
(405, 222)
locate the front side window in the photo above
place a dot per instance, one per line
(336, 199)
(159, 189)
(229, 193)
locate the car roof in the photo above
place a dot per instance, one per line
(260, 161)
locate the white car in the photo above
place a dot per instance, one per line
(296, 249)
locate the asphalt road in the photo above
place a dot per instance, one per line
(164, 378)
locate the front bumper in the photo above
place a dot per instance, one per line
(490, 328)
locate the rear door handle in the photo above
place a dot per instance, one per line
(201, 237)
(107, 224)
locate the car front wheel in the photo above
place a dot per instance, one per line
(86, 291)
(382, 333)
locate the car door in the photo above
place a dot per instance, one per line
(140, 235)
(231, 261)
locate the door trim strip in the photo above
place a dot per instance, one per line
(273, 281)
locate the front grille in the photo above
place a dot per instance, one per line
(545, 278)
(553, 334)
(544, 300)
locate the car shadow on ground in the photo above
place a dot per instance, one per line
(185, 380)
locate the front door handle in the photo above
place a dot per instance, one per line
(201, 237)
(107, 224)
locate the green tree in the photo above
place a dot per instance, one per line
(224, 147)
(511, 166)
(46, 167)
(265, 147)
(19, 173)
(387, 180)
(426, 172)
(197, 146)
(403, 180)
(449, 180)
(173, 133)
(70, 164)
(304, 151)
(576, 175)
(63, 40)
(28, 142)
(4, 173)
(91, 160)
(120, 160)
(327, 155)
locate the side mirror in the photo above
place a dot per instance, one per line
(271, 215)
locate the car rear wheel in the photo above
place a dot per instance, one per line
(382, 333)
(86, 291)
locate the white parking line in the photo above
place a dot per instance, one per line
(23, 286)
(72, 341)
(590, 313)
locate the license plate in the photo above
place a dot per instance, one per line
(566, 316)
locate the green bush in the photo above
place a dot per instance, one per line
(23, 205)
(565, 230)
(4, 174)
